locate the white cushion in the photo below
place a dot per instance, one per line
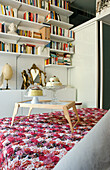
(92, 152)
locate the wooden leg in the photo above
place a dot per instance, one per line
(66, 114)
(15, 112)
(30, 109)
(75, 110)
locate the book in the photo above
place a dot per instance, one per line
(0, 9)
(0, 27)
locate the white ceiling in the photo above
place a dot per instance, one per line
(85, 5)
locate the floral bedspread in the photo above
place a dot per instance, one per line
(42, 140)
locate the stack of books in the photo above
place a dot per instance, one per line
(7, 10)
(38, 3)
(59, 59)
(53, 15)
(61, 31)
(60, 46)
(67, 59)
(31, 17)
(61, 3)
(18, 48)
(26, 33)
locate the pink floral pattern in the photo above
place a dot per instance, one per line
(42, 140)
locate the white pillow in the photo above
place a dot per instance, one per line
(92, 152)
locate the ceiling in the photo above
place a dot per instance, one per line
(84, 10)
(85, 5)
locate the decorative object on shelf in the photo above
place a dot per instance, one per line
(101, 4)
(37, 75)
(34, 91)
(45, 31)
(7, 73)
(70, 47)
(26, 80)
(12, 27)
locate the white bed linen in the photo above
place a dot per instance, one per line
(92, 152)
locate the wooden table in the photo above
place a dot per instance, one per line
(47, 104)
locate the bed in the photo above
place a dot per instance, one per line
(39, 142)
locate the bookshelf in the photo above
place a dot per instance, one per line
(59, 66)
(22, 39)
(8, 42)
(20, 6)
(60, 23)
(61, 11)
(8, 54)
(61, 51)
(21, 22)
(61, 38)
(61, 35)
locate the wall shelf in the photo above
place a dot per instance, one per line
(25, 7)
(60, 23)
(21, 22)
(61, 51)
(23, 39)
(30, 8)
(10, 54)
(60, 66)
(61, 11)
(61, 38)
(12, 3)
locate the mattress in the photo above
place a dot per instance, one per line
(39, 142)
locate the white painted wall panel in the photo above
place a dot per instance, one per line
(84, 73)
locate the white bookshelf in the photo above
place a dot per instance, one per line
(25, 7)
(8, 54)
(23, 39)
(59, 66)
(61, 38)
(12, 3)
(61, 11)
(61, 51)
(21, 22)
(60, 23)
(30, 8)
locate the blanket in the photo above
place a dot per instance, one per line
(40, 141)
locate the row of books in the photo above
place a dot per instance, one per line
(3, 27)
(53, 15)
(8, 10)
(59, 59)
(18, 48)
(61, 31)
(60, 46)
(26, 33)
(31, 17)
(61, 3)
(37, 3)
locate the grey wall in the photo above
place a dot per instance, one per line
(106, 66)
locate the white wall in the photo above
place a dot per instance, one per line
(84, 75)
